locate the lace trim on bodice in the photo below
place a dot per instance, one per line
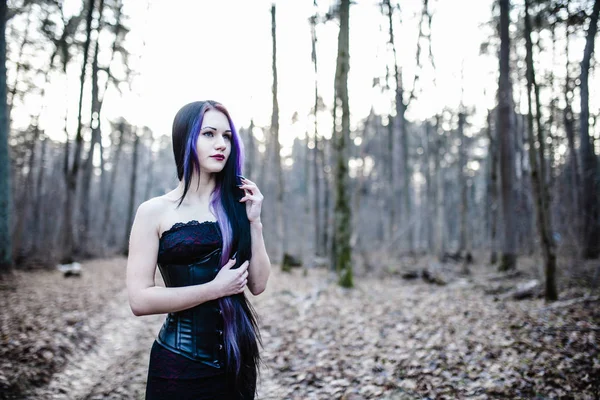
(185, 241)
(178, 225)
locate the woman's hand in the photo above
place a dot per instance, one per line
(231, 281)
(253, 200)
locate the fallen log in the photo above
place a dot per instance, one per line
(570, 302)
(525, 290)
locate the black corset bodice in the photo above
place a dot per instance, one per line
(190, 254)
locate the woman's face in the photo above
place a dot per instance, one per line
(214, 140)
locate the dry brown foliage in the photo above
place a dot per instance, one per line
(385, 339)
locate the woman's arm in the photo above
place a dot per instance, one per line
(260, 265)
(145, 297)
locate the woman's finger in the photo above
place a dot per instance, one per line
(254, 186)
(248, 188)
(248, 197)
(256, 191)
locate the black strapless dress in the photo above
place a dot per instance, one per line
(172, 375)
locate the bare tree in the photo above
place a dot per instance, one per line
(440, 217)
(123, 130)
(589, 168)
(505, 139)
(493, 189)
(132, 190)
(569, 123)
(430, 193)
(5, 187)
(462, 179)
(343, 216)
(71, 171)
(149, 172)
(394, 131)
(317, 157)
(88, 165)
(280, 223)
(39, 189)
(538, 171)
(400, 131)
(251, 150)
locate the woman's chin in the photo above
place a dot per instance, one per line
(213, 170)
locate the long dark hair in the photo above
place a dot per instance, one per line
(241, 334)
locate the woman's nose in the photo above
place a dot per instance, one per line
(220, 143)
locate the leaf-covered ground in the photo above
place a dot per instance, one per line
(385, 339)
(396, 339)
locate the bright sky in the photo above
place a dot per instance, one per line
(186, 50)
(222, 50)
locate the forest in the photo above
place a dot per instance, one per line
(430, 174)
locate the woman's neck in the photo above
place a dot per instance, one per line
(200, 188)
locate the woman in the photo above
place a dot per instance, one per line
(206, 237)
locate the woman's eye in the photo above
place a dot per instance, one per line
(228, 137)
(208, 133)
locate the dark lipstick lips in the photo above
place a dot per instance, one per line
(219, 157)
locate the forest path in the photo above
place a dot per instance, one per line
(384, 339)
(116, 366)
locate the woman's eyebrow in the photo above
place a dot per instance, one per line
(214, 129)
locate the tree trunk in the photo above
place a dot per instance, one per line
(121, 127)
(132, 190)
(394, 130)
(554, 111)
(6, 264)
(37, 202)
(281, 241)
(405, 171)
(316, 143)
(464, 245)
(589, 168)
(401, 132)
(526, 230)
(343, 216)
(575, 181)
(505, 139)
(430, 194)
(72, 172)
(493, 190)
(149, 172)
(462, 179)
(325, 161)
(538, 181)
(360, 184)
(88, 168)
(118, 28)
(251, 153)
(440, 215)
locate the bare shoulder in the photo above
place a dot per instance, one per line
(152, 208)
(157, 212)
(152, 211)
